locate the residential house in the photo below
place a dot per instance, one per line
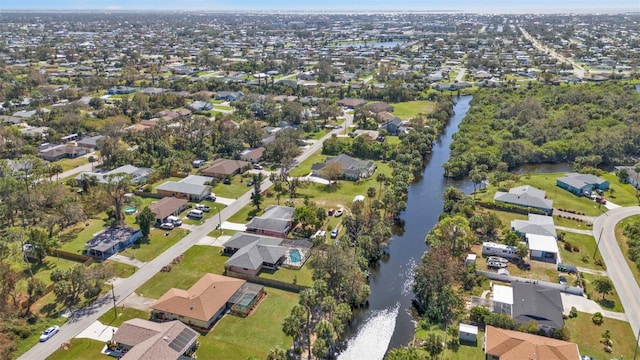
(229, 95)
(57, 152)
(10, 120)
(251, 253)
(201, 105)
(224, 168)
(351, 103)
(378, 107)
(111, 240)
(351, 168)
(166, 207)
(502, 344)
(202, 304)
(91, 143)
(121, 90)
(543, 248)
(579, 183)
(276, 221)
(536, 224)
(533, 302)
(192, 188)
(394, 126)
(138, 175)
(526, 196)
(252, 155)
(139, 339)
(633, 175)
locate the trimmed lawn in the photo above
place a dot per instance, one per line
(464, 351)
(571, 223)
(222, 232)
(197, 261)
(119, 269)
(123, 315)
(156, 244)
(315, 135)
(239, 338)
(410, 109)
(36, 331)
(587, 335)
(68, 164)
(74, 238)
(160, 182)
(562, 199)
(81, 349)
(304, 168)
(505, 218)
(586, 244)
(623, 194)
(237, 188)
(611, 302)
(50, 263)
(624, 247)
(304, 276)
(215, 209)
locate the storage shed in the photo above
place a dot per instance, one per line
(468, 333)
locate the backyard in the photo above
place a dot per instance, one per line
(240, 338)
(464, 351)
(237, 188)
(587, 335)
(410, 109)
(81, 349)
(159, 241)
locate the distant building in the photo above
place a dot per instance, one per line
(276, 221)
(536, 224)
(58, 152)
(138, 175)
(139, 339)
(351, 168)
(579, 183)
(121, 90)
(229, 95)
(166, 207)
(526, 196)
(224, 168)
(112, 240)
(192, 188)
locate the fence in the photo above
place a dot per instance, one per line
(574, 290)
(497, 307)
(149, 194)
(267, 282)
(510, 208)
(86, 260)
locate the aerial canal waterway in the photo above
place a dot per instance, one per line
(388, 321)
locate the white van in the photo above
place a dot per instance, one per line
(195, 214)
(174, 220)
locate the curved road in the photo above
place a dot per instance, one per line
(80, 319)
(617, 269)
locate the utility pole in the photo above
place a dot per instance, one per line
(598, 243)
(115, 310)
(220, 221)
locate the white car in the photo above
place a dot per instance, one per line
(202, 207)
(167, 226)
(338, 212)
(47, 334)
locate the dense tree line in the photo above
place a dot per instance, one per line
(632, 232)
(548, 124)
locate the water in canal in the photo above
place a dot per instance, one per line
(388, 322)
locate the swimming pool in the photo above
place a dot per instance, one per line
(129, 210)
(295, 256)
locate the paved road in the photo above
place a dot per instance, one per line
(461, 74)
(617, 268)
(83, 318)
(81, 168)
(577, 69)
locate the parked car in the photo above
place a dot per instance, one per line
(567, 268)
(562, 280)
(250, 183)
(47, 334)
(334, 233)
(498, 259)
(195, 214)
(174, 220)
(226, 181)
(587, 193)
(601, 201)
(210, 197)
(496, 264)
(203, 207)
(339, 212)
(257, 166)
(331, 212)
(167, 226)
(600, 191)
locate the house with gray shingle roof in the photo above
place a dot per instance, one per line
(192, 188)
(526, 196)
(579, 183)
(352, 169)
(537, 225)
(251, 253)
(276, 221)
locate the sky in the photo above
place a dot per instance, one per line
(483, 6)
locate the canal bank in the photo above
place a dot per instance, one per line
(388, 322)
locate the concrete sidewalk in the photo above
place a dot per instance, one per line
(98, 331)
(588, 306)
(234, 226)
(127, 260)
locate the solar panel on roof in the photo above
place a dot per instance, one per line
(183, 339)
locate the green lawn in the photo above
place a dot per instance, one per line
(302, 276)
(123, 315)
(197, 261)
(587, 335)
(236, 189)
(623, 194)
(464, 351)
(624, 247)
(586, 244)
(315, 135)
(571, 223)
(304, 168)
(157, 244)
(611, 301)
(81, 349)
(410, 109)
(74, 238)
(36, 330)
(222, 232)
(562, 199)
(160, 182)
(68, 164)
(215, 209)
(119, 269)
(239, 338)
(50, 263)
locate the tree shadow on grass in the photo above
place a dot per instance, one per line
(606, 303)
(333, 188)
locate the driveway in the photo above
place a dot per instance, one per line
(224, 201)
(234, 226)
(617, 268)
(588, 306)
(98, 331)
(127, 260)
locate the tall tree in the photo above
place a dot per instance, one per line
(145, 219)
(117, 186)
(256, 195)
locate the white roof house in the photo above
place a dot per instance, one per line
(542, 247)
(503, 294)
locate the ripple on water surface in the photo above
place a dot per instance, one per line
(373, 337)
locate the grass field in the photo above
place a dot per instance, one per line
(304, 168)
(301, 277)
(624, 247)
(215, 209)
(197, 261)
(315, 135)
(36, 331)
(74, 238)
(586, 244)
(123, 315)
(68, 164)
(410, 109)
(464, 351)
(236, 189)
(587, 335)
(81, 349)
(239, 338)
(157, 244)
(611, 301)
(623, 194)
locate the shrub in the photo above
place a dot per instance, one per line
(585, 258)
(573, 312)
(597, 318)
(568, 246)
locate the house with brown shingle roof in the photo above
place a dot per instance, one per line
(222, 168)
(351, 103)
(501, 344)
(146, 340)
(168, 206)
(200, 306)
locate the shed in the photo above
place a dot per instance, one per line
(542, 247)
(471, 259)
(358, 198)
(468, 333)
